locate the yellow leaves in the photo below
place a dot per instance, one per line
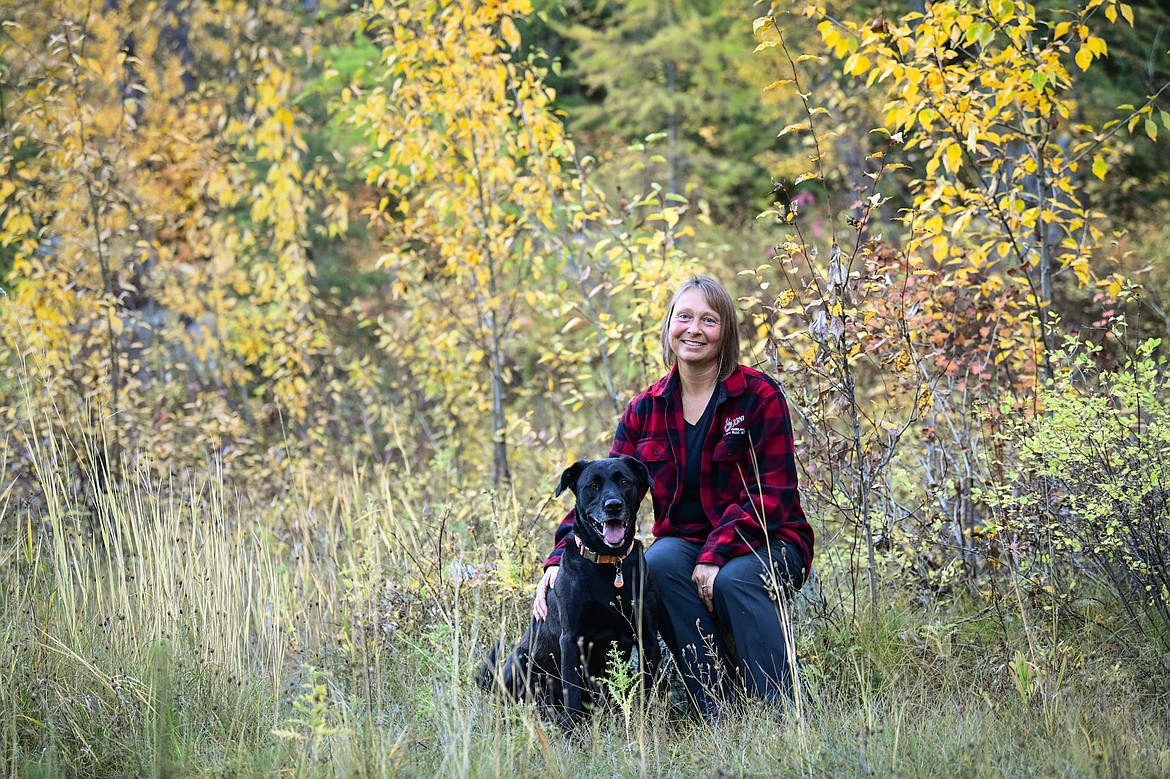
(1112, 284)
(953, 155)
(1099, 167)
(669, 215)
(477, 164)
(972, 139)
(1126, 11)
(17, 224)
(925, 401)
(1079, 265)
(266, 97)
(899, 116)
(940, 248)
(509, 33)
(173, 167)
(1090, 47)
(902, 361)
(840, 44)
(1002, 10)
(980, 32)
(857, 64)
(961, 221)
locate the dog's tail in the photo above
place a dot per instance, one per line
(488, 676)
(509, 679)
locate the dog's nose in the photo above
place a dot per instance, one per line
(613, 505)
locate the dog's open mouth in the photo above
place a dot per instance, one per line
(614, 532)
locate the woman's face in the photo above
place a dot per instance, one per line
(695, 330)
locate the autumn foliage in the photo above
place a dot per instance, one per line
(305, 304)
(160, 292)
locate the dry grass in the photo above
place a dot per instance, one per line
(171, 628)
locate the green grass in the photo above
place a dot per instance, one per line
(168, 630)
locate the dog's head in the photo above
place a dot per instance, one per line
(608, 493)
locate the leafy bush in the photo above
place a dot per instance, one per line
(1085, 497)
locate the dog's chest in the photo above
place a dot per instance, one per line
(594, 598)
(605, 620)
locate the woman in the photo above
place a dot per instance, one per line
(728, 525)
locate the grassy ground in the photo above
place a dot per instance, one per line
(186, 630)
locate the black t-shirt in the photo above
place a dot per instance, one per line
(689, 508)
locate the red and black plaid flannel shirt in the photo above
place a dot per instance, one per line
(747, 477)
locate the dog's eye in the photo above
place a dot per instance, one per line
(624, 482)
(591, 486)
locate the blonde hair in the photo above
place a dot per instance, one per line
(718, 299)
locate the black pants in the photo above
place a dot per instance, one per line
(744, 607)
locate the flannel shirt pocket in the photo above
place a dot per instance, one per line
(730, 449)
(654, 450)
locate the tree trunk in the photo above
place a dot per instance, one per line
(500, 471)
(672, 126)
(176, 37)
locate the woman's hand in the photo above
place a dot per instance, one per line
(540, 605)
(704, 578)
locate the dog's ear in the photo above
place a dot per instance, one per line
(641, 472)
(570, 476)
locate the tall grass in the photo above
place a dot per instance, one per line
(177, 626)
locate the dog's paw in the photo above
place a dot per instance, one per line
(571, 722)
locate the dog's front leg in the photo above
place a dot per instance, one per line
(572, 681)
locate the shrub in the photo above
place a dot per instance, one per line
(1084, 501)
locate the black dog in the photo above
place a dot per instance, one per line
(603, 596)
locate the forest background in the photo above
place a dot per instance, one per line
(306, 305)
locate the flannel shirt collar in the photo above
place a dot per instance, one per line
(733, 385)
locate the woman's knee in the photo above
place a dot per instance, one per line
(671, 560)
(743, 584)
(763, 571)
(738, 573)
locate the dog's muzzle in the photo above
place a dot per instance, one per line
(611, 525)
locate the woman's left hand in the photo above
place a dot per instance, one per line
(704, 578)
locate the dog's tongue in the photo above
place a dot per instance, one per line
(615, 533)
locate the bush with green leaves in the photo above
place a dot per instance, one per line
(1082, 508)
